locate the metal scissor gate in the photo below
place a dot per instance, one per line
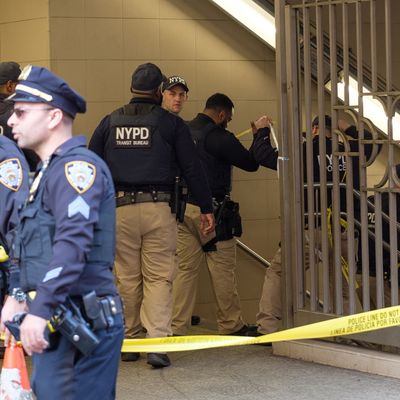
(339, 196)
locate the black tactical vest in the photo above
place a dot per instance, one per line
(33, 244)
(137, 150)
(219, 173)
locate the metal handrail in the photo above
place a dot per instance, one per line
(253, 254)
(357, 223)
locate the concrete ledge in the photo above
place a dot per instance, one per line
(342, 356)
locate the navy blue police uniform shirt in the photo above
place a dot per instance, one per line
(14, 186)
(263, 151)
(185, 151)
(224, 145)
(73, 239)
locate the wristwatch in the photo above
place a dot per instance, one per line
(18, 295)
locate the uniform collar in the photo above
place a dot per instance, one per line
(147, 100)
(205, 118)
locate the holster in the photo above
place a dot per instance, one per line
(70, 323)
(179, 199)
(100, 312)
(228, 223)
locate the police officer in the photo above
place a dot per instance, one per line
(219, 150)
(174, 94)
(65, 246)
(144, 145)
(13, 192)
(270, 309)
(9, 73)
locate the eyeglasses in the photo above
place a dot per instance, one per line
(19, 112)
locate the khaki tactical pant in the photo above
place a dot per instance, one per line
(270, 308)
(221, 266)
(145, 267)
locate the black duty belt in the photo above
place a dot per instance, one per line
(125, 198)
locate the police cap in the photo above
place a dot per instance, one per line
(9, 71)
(146, 77)
(172, 81)
(328, 122)
(39, 85)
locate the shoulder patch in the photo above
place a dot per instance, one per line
(11, 173)
(80, 175)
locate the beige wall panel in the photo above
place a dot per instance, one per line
(253, 80)
(252, 109)
(67, 38)
(262, 236)
(258, 199)
(96, 111)
(20, 10)
(103, 8)
(212, 77)
(103, 39)
(105, 81)
(67, 8)
(26, 41)
(141, 9)
(74, 72)
(177, 40)
(262, 174)
(226, 40)
(141, 38)
(189, 9)
(192, 108)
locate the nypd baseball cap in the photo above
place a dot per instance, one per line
(39, 85)
(328, 121)
(172, 81)
(9, 71)
(146, 77)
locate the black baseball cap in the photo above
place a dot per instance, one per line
(172, 81)
(328, 121)
(9, 71)
(146, 77)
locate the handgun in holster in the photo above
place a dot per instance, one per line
(178, 199)
(71, 324)
(98, 311)
(211, 245)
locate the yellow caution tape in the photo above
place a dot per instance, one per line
(238, 135)
(348, 325)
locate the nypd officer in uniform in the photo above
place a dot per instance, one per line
(219, 151)
(144, 145)
(13, 192)
(174, 94)
(9, 73)
(64, 246)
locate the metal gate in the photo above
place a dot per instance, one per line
(339, 230)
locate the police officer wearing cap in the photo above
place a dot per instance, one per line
(144, 146)
(14, 189)
(174, 94)
(9, 73)
(219, 151)
(64, 247)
